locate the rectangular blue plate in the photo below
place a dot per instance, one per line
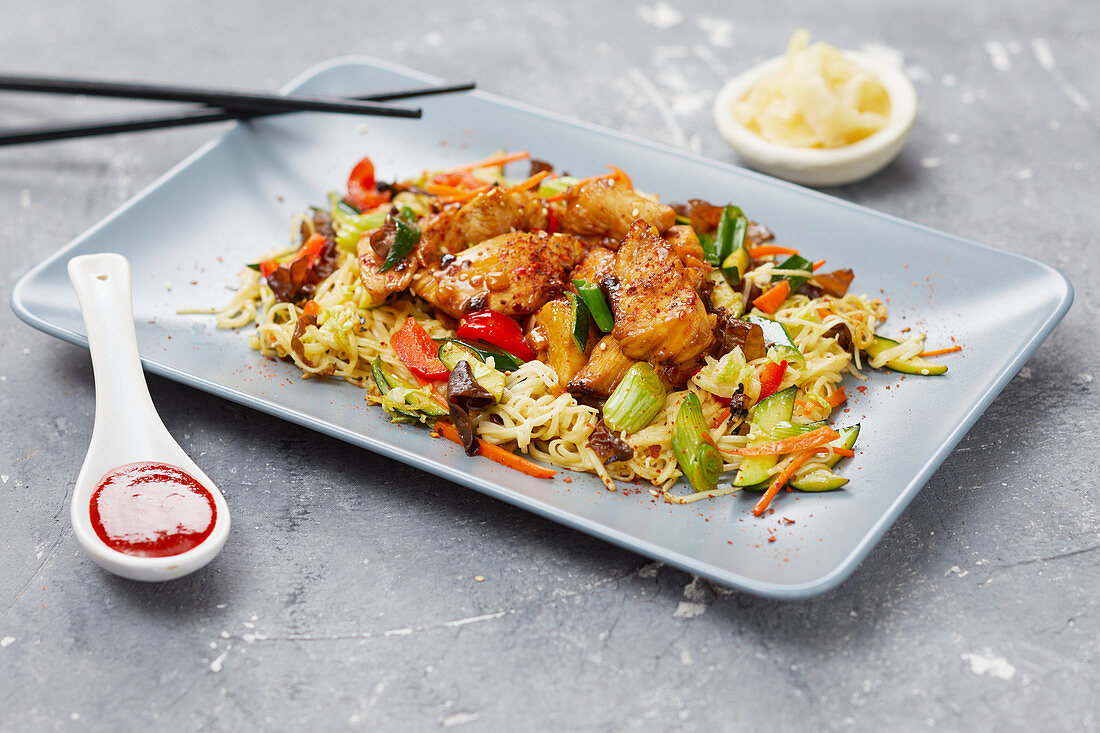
(189, 234)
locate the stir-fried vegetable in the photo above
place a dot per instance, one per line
(405, 238)
(696, 453)
(498, 330)
(417, 351)
(597, 305)
(636, 401)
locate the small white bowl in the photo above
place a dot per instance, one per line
(821, 166)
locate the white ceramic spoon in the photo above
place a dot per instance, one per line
(127, 427)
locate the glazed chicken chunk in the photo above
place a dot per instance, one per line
(658, 315)
(608, 207)
(488, 215)
(513, 274)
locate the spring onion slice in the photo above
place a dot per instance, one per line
(636, 400)
(695, 451)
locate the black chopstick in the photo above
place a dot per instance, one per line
(184, 117)
(250, 101)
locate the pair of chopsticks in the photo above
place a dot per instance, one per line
(220, 104)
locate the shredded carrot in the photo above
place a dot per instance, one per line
(454, 194)
(498, 159)
(818, 265)
(530, 182)
(780, 481)
(621, 175)
(770, 301)
(805, 442)
(720, 418)
(311, 308)
(846, 452)
(806, 407)
(939, 352)
(497, 454)
(770, 249)
(823, 313)
(837, 398)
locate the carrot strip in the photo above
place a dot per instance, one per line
(621, 175)
(806, 407)
(720, 418)
(823, 313)
(805, 442)
(780, 481)
(939, 352)
(846, 452)
(497, 454)
(498, 159)
(774, 297)
(770, 249)
(818, 265)
(530, 182)
(311, 308)
(837, 398)
(455, 194)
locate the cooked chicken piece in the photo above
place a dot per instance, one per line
(686, 245)
(512, 274)
(606, 206)
(488, 215)
(658, 315)
(596, 265)
(372, 250)
(553, 325)
(605, 369)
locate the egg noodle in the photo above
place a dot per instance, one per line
(537, 415)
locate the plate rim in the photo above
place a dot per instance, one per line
(844, 568)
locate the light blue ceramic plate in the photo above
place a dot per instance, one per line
(190, 232)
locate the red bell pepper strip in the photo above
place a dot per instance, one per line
(498, 330)
(362, 187)
(311, 249)
(417, 351)
(771, 376)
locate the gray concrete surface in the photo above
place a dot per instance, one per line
(346, 598)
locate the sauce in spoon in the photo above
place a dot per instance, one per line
(152, 510)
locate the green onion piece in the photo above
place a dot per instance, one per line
(597, 305)
(404, 241)
(582, 319)
(254, 266)
(347, 207)
(794, 262)
(725, 239)
(554, 186)
(350, 226)
(636, 400)
(695, 451)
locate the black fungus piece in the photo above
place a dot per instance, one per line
(609, 447)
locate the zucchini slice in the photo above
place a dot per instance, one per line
(912, 365)
(503, 361)
(581, 319)
(492, 380)
(765, 416)
(821, 478)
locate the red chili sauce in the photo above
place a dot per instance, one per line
(152, 510)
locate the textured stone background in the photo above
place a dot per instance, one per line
(345, 597)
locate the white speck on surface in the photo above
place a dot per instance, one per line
(213, 645)
(1045, 57)
(685, 658)
(967, 98)
(918, 74)
(225, 634)
(931, 162)
(459, 719)
(719, 30)
(884, 54)
(689, 609)
(25, 198)
(949, 80)
(433, 39)
(4, 477)
(1024, 373)
(998, 55)
(952, 138)
(398, 632)
(650, 91)
(167, 286)
(249, 625)
(249, 638)
(26, 352)
(216, 665)
(1023, 174)
(688, 104)
(7, 641)
(650, 570)
(990, 666)
(74, 716)
(221, 605)
(956, 570)
(661, 15)
(475, 619)
(1084, 377)
(1055, 124)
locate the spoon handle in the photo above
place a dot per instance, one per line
(102, 284)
